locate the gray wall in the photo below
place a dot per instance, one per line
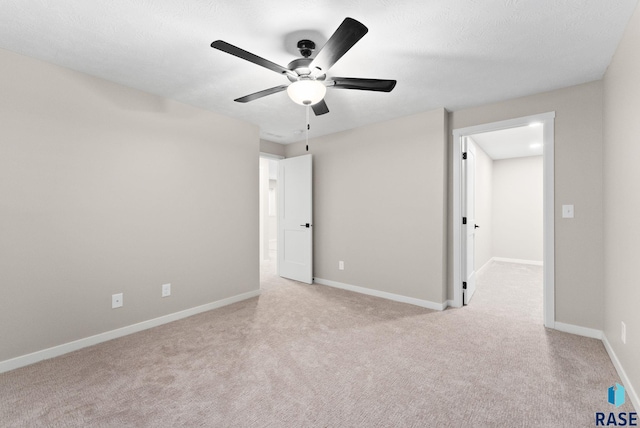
(622, 200)
(579, 251)
(104, 189)
(517, 208)
(379, 205)
(272, 148)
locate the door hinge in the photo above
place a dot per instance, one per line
(464, 220)
(464, 285)
(464, 155)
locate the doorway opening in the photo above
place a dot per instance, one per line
(483, 142)
(268, 215)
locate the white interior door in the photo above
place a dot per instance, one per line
(295, 236)
(468, 212)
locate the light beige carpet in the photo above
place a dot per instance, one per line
(313, 356)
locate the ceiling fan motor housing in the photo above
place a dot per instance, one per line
(300, 66)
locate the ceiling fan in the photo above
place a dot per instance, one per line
(308, 76)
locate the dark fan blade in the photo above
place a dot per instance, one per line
(320, 108)
(261, 94)
(364, 84)
(347, 35)
(240, 53)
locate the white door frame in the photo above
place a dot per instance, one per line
(270, 156)
(547, 119)
(468, 211)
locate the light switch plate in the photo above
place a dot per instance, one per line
(567, 211)
(166, 290)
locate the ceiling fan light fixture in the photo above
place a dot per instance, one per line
(308, 74)
(306, 92)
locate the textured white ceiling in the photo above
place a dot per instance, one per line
(443, 53)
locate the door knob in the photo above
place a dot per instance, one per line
(476, 226)
(307, 225)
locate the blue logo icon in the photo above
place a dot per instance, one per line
(616, 395)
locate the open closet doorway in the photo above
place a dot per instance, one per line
(509, 192)
(505, 224)
(268, 215)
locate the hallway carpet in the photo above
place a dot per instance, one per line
(312, 356)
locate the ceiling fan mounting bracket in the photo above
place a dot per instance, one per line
(306, 48)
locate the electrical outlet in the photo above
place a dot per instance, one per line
(567, 211)
(166, 290)
(624, 332)
(341, 265)
(117, 300)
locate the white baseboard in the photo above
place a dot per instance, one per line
(56, 351)
(623, 375)
(450, 304)
(383, 294)
(484, 266)
(580, 331)
(524, 262)
(598, 334)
